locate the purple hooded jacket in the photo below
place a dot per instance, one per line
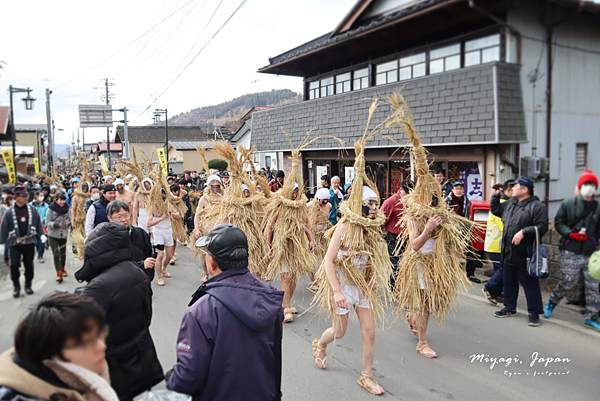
(225, 348)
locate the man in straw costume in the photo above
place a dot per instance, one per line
(289, 233)
(430, 273)
(81, 195)
(318, 209)
(140, 203)
(356, 269)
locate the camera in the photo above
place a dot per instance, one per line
(498, 186)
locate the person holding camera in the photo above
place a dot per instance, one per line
(578, 223)
(520, 215)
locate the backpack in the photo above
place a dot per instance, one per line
(594, 265)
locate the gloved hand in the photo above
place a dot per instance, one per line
(43, 238)
(579, 237)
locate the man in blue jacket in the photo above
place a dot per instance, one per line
(229, 342)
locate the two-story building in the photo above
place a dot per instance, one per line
(489, 83)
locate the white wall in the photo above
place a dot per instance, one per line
(575, 92)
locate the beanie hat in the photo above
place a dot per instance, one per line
(587, 176)
(280, 174)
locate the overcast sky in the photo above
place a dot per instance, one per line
(58, 44)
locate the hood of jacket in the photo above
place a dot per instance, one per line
(107, 245)
(249, 299)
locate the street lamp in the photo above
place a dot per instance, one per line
(157, 114)
(28, 106)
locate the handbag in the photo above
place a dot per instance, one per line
(537, 262)
(134, 366)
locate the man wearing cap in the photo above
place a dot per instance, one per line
(21, 226)
(225, 179)
(393, 210)
(124, 194)
(493, 235)
(229, 342)
(71, 191)
(520, 215)
(578, 223)
(96, 214)
(276, 183)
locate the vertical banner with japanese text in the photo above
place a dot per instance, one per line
(10, 166)
(163, 160)
(36, 161)
(103, 163)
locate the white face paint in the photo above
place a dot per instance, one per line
(587, 190)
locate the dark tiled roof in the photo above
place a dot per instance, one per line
(189, 145)
(327, 39)
(154, 133)
(456, 107)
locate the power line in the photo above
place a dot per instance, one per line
(129, 44)
(193, 59)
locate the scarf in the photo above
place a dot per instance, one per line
(458, 204)
(59, 209)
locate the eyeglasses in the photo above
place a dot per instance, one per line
(121, 217)
(90, 343)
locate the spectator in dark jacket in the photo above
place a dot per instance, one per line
(123, 291)
(141, 247)
(440, 177)
(229, 343)
(578, 223)
(520, 215)
(95, 195)
(277, 182)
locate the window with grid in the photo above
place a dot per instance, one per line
(313, 90)
(327, 87)
(581, 155)
(482, 50)
(342, 82)
(361, 79)
(412, 66)
(386, 72)
(444, 59)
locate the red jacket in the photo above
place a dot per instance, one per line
(393, 209)
(275, 185)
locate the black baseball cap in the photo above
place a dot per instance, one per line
(223, 240)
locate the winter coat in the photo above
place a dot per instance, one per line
(53, 219)
(8, 231)
(466, 205)
(335, 204)
(516, 216)
(54, 381)
(568, 220)
(225, 347)
(141, 248)
(123, 291)
(42, 208)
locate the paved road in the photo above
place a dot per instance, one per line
(403, 373)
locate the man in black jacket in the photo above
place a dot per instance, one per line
(520, 215)
(141, 247)
(123, 291)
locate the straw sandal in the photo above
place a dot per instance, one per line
(204, 277)
(288, 315)
(370, 389)
(316, 350)
(293, 310)
(160, 281)
(411, 326)
(421, 345)
(166, 273)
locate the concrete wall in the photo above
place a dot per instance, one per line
(575, 90)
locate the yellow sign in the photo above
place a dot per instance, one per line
(10, 166)
(103, 163)
(163, 160)
(36, 161)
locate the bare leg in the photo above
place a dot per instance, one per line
(168, 255)
(288, 288)
(422, 319)
(336, 331)
(158, 265)
(367, 328)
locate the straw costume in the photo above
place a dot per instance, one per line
(320, 224)
(80, 197)
(244, 212)
(364, 239)
(440, 271)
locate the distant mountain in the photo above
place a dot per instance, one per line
(229, 113)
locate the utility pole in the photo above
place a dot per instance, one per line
(50, 128)
(107, 98)
(78, 146)
(157, 114)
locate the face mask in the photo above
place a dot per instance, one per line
(41, 198)
(3, 196)
(95, 196)
(587, 190)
